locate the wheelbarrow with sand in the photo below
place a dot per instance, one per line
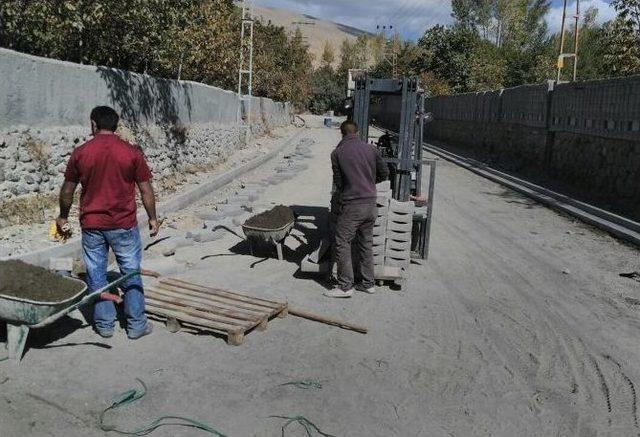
(272, 226)
(37, 308)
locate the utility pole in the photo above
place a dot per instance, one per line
(389, 43)
(245, 69)
(576, 34)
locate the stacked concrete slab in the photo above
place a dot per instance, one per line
(392, 233)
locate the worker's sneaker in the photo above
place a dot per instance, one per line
(105, 333)
(338, 293)
(148, 330)
(370, 290)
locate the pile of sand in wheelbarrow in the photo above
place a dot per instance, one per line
(275, 218)
(26, 281)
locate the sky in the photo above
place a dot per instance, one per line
(412, 17)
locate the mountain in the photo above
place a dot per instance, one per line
(316, 31)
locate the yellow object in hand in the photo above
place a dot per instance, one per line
(59, 235)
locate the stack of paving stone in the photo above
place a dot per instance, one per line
(392, 234)
(380, 228)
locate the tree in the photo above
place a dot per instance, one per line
(447, 52)
(328, 54)
(327, 91)
(196, 39)
(623, 37)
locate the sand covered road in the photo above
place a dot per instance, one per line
(518, 325)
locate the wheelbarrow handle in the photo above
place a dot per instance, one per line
(96, 294)
(85, 300)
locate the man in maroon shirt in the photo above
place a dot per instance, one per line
(109, 169)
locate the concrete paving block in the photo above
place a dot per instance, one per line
(387, 272)
(402, 246)
(379, 232)
(384, 186)
(230, 210)
(383, 210)
(393, 262)
(378, 260)
(399, 227)
(164, 266)
(239, 220)
(398, 235)
(382, 201)
(208, 215)
(400, 216)
(379, 240)
(260, 184)
(401, 207)
(207, 236)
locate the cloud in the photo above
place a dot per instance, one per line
(554, 16)
(409, 17)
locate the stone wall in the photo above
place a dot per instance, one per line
(581, 138)
(44, 114)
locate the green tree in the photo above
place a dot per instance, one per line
(623, 37)
(327, 91)
(447, 52)
(328, 54)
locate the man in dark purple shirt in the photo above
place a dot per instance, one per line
(357, 167)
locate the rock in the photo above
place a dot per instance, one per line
(24, 156)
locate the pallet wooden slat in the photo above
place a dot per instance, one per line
(205, 304)
(197, 313)
(158, 297)
(208, 308)
(190, 319)
(210, 298)
(220, 292)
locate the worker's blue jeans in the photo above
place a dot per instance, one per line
(127, 247)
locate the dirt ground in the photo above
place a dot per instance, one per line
(518, 325)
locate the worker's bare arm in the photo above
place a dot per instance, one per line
(149, 202)
(65, 201)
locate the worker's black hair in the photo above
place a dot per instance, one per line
(349, 127)
(105, 118)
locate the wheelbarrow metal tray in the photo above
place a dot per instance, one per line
(274, 235)
(29, 312)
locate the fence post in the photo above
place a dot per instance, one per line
(550, 133)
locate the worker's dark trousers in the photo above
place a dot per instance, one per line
(355, 225)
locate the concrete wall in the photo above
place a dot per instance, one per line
(582, 138)
(44, 114)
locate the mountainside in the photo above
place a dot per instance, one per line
(316, 31)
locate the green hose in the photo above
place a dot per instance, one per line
(130, 396)
(308, 426)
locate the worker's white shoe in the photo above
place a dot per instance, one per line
(338, 293)
(370, 290)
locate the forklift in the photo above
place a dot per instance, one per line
(397, 107)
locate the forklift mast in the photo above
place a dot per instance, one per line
(401, 149)
(397, 106)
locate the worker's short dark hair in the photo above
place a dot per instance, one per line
(349, 127)
(105, 118)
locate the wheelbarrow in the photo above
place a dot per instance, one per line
(274, 236)
(22, 315)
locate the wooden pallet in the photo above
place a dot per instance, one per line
(212, 309)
